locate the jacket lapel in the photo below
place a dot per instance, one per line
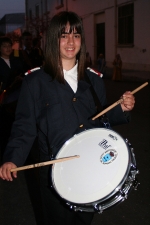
(82, 87)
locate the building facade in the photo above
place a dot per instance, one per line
(11, 22)
(111, 27)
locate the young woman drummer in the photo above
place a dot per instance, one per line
(55, 103)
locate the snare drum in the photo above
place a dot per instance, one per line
(102, 176)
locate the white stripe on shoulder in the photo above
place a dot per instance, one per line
(32, 70)
(95, 71)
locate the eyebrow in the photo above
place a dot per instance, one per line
(74, 32)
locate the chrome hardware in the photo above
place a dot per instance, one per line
(135, 185)
(123, 194)
(98, 208)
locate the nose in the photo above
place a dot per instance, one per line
(70, 39)
(8, 46)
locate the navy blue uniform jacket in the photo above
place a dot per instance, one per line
(7, 74)
(53, 112)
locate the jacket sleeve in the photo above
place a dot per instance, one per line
(116, 116)
(24, 130)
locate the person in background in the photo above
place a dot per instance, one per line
(26, 51)
(38, 51)
(11, 68)
(101, 63)
(117, 70)
(11, 75)
(54, 102)
(29, 55)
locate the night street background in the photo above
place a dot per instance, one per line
(16, 202)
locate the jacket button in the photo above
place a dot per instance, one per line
(74, 99)
(81, 125)
(47, 104)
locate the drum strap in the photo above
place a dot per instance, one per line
(98, 105)
(93, 92)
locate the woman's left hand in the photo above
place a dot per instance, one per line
(128, 101)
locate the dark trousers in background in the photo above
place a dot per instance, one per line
(6, 121)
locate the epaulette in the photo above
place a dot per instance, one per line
(95, 71)
(32, 70)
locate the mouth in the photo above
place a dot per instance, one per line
(70, 49)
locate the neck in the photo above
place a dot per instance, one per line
(68, 64)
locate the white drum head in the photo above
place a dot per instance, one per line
(102, 166)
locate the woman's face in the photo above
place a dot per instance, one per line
(70, 44)
(5, 50)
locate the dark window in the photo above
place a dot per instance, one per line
(30, 14)
(100, 33)
(126, 25)
(37, 10)
(45, 5)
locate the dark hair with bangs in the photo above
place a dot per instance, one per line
(5, 39)
(53, 63)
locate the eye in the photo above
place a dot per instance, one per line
(64, 36)
(6, 46)
(77, 35)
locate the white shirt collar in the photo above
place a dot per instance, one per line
(6, 61)
(71, 77)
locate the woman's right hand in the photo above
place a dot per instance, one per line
(5, 171)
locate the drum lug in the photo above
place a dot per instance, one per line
(132, 176)
(134, 167)
(134, 172)
(98, 208)
(130, 145)
(70, 206)
(123, 194)
(136, 184)
(74, 208)
(126, 140)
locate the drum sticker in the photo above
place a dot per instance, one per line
(113, 137)
(108, 156)
(104, 144)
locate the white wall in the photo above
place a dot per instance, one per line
(89, 35)
(140, 54)
(136, 57)
(110, 42)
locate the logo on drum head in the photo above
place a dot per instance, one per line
(109, 156)
(113, 137)
(104, 144)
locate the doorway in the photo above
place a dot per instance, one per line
(100, 34)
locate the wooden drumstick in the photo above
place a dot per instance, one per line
(44, 163)
(119, 101)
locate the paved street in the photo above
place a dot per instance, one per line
(16, 197)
